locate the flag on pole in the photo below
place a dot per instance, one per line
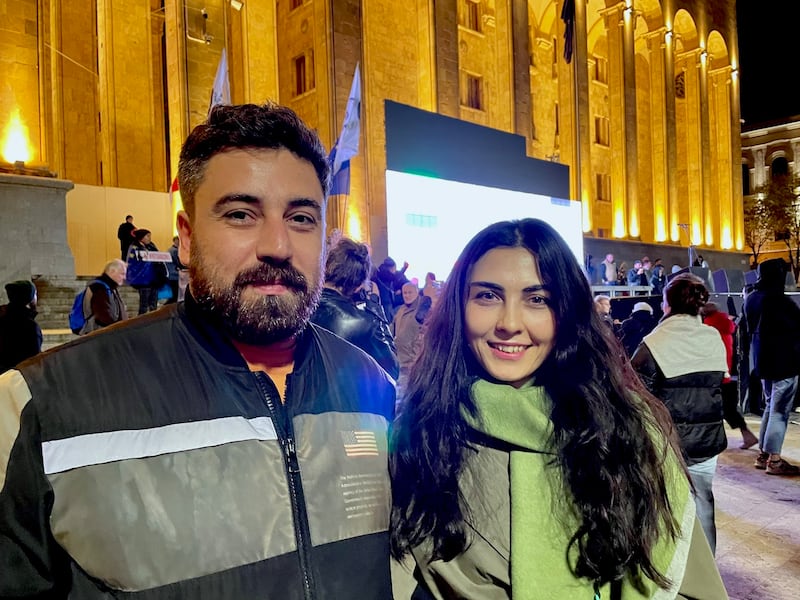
(346, 145)
(220, 94)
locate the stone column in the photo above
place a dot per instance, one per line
(707, 214)
(615, 28)
(629, 17)
(660, 173)
(33, 228)
(671, 136)
(759, 168)
(583, 175)
(796, 158)
(446, 31)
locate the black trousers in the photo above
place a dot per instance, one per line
(148, 299)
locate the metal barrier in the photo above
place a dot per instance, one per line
(621, 290)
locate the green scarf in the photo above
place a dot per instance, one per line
(541, 519)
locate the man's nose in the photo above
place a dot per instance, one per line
(273, 240)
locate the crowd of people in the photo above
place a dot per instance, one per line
(303, 424)
(644, 272)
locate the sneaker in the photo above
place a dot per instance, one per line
(781, 467)
(761, 460)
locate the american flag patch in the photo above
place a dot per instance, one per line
(360, 443)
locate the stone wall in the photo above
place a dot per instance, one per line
(33, 228)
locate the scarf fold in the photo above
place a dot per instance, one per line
(542, 521)
(682, 344)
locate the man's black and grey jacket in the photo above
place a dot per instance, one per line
(149, 462)
(682, 362)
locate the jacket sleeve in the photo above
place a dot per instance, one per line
(31, 562)
(644, 364)
(384, 349)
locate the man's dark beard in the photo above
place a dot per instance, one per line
(262, 320)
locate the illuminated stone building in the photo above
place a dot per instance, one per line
(767, 149)
(646, 114)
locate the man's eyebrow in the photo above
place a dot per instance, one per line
(306, 203)
(227, 199)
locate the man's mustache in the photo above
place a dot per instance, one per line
(269, 273)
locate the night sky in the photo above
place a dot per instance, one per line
(769, 38)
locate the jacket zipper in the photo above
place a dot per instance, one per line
(285, 429)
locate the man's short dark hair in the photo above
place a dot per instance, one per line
(228, 127)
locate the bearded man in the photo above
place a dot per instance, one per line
(222, 447)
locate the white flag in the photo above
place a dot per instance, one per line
(347, 145)
(221, 93)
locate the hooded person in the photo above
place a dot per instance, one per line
(20, 334)
(636, 326)
(772, 320)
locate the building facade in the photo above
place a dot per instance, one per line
(646, 113)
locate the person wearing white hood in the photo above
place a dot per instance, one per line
(682, 362)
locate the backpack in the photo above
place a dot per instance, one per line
(77, 315)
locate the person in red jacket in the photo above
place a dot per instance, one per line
(722, 322)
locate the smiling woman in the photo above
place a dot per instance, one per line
(536, 461)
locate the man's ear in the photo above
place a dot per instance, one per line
(184, 225)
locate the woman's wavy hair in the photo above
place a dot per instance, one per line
(612, 469)
(685, 294)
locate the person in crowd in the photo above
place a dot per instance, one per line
(144, 275)
(633, 329)
(725, 325)
(636, 275)
(174, 268)
(602, 304)
(384, 279)
(125, 235)
(407, 331)
(750, 388)
(555, 475)
(682, 362)
(622, 273)
(658, 278)
(212, 449)
(20, 334)
(772, 320)
(346, 270)
(675, 268)
(431, 289)
(392, 281)
(648, 269)
(103, 305)
(608, 270)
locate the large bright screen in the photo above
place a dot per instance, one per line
(430, 220)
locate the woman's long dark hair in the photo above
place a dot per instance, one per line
(603, 421)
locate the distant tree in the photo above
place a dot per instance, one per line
(756, 226)
(782, 211)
